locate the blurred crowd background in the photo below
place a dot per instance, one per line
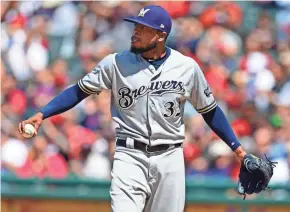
(242, 47)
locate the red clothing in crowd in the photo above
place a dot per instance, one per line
(53, 166)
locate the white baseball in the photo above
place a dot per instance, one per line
(29, 130)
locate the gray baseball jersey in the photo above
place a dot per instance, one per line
(147, 103)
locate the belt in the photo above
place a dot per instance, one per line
(146, 148)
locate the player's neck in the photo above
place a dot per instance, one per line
(155, 53)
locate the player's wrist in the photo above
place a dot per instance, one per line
(40, 115)
(240, 153)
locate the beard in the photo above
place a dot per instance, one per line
(150, 46)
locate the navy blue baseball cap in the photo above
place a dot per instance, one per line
(153, 16)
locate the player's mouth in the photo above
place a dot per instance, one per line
(134, 40)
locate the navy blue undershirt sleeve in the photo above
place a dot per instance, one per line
(64, 101)
(217, 121)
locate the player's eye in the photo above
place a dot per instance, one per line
(139, 26)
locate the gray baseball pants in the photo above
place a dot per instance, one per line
(143, 182)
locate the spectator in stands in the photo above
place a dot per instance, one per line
(228, 14)
(14, 153)
(43, 161)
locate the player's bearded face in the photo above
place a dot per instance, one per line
(144, 39)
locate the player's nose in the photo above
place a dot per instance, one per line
(136, 31)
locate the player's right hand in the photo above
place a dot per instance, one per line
(35, 120)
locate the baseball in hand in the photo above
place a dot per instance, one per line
(29, 130)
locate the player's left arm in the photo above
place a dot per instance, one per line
(204, 102)
(217, 121)
(255, 173)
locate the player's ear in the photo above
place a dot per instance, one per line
(162, 36)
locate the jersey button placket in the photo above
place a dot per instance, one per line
(151, 117)
(148, 117)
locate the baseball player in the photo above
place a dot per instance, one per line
(149, 84)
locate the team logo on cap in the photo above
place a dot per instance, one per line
(143, 12)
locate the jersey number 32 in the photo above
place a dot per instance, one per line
(172, 109)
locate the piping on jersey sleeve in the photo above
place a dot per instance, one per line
(84, 88)
(207, 108)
